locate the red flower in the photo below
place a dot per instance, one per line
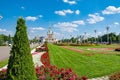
(72, 78)
(84, 78)
(52, 74)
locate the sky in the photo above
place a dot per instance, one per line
(66, 17)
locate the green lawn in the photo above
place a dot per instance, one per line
(91, 66)
(3, 63)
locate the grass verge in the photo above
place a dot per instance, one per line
(3, 63)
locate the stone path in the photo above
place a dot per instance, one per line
(36, 58)
(100, 78)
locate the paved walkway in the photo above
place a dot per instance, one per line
(100, 78)
(36, 59)
(4, 52)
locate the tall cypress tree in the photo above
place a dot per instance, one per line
(20, 65)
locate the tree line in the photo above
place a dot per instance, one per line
(4, 39)
(106, 38)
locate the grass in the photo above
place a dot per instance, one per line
(3, 63)
(92, 66)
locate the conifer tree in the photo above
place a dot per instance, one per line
(20, 65)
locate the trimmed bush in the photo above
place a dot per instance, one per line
(20, 65)
(3, 74)
(117, 49)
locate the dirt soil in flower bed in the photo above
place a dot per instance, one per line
(102, 49)
(96, 50)
(77, 50)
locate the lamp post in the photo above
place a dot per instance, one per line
(84, 37)
(107, 28)
(119, 38)
(70, 38)
(95, 35)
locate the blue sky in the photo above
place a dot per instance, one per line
(66, 17)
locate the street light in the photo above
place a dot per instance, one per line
(95, 35)
(119, 38)
(107, 28)
(84, 37)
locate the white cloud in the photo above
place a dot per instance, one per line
(22, 7)
(77, 12)
(1, 17)
(31, 18)
(116, 23)
(64, 12)
(66, 26)
(71, 2)
(111, 10)
(3, 30)
(99, 33)
(37, 28)
(79, 22)
(94, 18)
(68, 11)
(59, 36)
(6, 32)
(61, 13)
(69, 26)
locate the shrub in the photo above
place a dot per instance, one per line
(20, 65)
(62, 44)
(3, 74)
(42, 48)
(117, 49)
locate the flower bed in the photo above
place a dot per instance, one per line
(45, 59)
(54, 73)
(115, 76)
(101, 49)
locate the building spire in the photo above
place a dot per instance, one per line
(50, 29)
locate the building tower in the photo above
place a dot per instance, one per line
(50, 36)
